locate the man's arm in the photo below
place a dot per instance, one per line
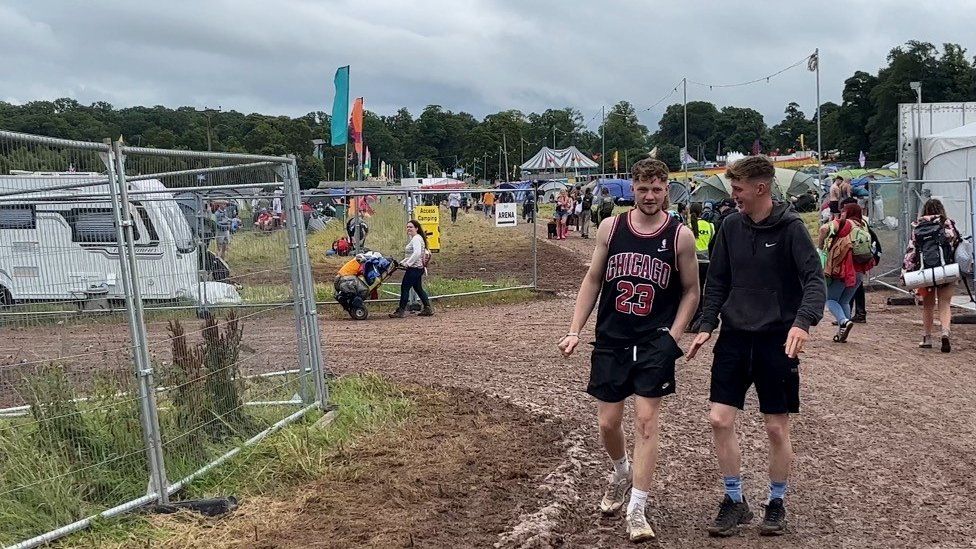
(807, 262)
(589, 289)
(716, 291)
(687, 261)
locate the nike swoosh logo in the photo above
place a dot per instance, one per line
(770, 244)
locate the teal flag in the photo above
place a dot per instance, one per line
(340, 107)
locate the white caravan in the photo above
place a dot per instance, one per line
(60, 245)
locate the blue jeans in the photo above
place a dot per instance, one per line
(412, 280)
(839, 299)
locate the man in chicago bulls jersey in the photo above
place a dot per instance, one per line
(645, 273)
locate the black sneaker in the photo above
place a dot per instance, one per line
(730, 516)
(774, 521)
(860, 318)
(946, 346)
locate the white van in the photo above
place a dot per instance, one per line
(60, 245)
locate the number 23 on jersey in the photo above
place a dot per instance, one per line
(634, 299)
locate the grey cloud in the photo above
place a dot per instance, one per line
(478, 56)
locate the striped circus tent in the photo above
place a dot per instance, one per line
(574, 159)
(548, 159)
(545, 159)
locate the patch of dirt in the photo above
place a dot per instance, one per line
(459, 472)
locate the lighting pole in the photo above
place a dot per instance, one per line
(208, 112)
(917, 88)
(684, 157)
(603, 139)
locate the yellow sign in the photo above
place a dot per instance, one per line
(430, 219)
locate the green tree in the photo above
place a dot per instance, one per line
(786, 134)
(737, 129)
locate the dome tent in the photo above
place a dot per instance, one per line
(787, 183)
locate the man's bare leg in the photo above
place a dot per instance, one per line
(610, 417)
(780, 459)
(645, 458)
(780, 447)
(733, 510)
(645, 441)
(722, 418)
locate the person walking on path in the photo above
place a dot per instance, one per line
(488, 203)
(846, 246)
(564, 206)
(454, 203)
(934, 242)
(765, 278)
(413, 270)
(585, 216)
(643, 271)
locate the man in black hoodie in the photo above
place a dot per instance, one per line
(766, 281)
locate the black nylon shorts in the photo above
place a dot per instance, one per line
(645, 369)
(743, 358)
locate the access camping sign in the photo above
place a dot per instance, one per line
(506, 214)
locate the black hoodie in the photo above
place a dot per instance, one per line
(764, 276)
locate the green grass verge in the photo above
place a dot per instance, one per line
(298, 454)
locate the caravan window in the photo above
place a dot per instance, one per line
(18, 217)
(94, 226)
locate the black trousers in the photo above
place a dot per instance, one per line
(859, 302)
(412, 277)
(454, 210)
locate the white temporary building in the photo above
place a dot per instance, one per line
(951, 156)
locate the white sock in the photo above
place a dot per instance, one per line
(621, 467)
(637, 500)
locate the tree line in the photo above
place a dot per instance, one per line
(438, 139)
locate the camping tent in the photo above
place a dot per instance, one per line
(951, 156)
(878, 173)
(788, 183)
(517, 188)
(551, 190)
(620, 189)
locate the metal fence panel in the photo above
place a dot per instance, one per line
(155, 322)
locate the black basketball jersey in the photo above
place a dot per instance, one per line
(641, 288)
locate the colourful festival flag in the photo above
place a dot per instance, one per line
(340, 107)
(616, 161)
(367, 163)
(357, 125)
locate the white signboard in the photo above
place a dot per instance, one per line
(506, 214)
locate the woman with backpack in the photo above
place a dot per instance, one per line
(845, 245)
(414, 266)
(934, 241)
(564, 207)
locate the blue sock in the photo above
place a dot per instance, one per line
(733, 488)
(777, 490)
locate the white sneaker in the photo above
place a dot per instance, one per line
(616, 495)
(637, 527)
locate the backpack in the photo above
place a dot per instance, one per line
(932, 245)
(861, 244)
(342, 246)
(964, 256)
(836, 253)
(606, 207)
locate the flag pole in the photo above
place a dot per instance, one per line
(684, 157)
(816, 56)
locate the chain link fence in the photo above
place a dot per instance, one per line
(152, 327)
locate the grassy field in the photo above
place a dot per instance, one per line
(96, 459)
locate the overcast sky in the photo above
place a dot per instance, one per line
(279, 57)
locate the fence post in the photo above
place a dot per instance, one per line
(972, 218)
(118, 189)
(535, 235)
(316, 355)
(292, 215)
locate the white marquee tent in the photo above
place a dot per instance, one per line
(951, 156)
